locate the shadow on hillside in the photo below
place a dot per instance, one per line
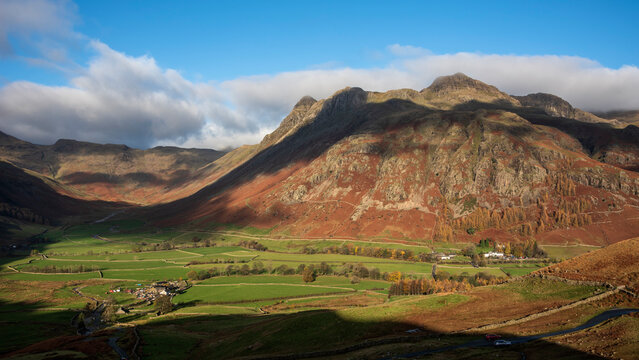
(28, 196)
(595, 138)
(23, 324)
(345, 115)
(326, 334)
(175, 178)
(348, 114)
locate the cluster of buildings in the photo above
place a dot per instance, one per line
(160, 288)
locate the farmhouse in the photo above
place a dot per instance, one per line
(494, 254)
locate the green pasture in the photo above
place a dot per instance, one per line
(458, 269)
(567, 251)
(229, 293)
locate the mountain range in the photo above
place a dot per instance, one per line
(455, 160)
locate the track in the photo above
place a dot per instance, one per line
(603, 317)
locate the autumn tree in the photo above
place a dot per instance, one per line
(192, 275)
(507, 250)
(308, 275)
(163, 304)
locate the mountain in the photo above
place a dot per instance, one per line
(555, 106)
(456, 160)
(111, 172)
(622, 116)
(30, 197)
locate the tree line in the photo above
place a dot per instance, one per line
(50, 269)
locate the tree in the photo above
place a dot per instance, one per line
(374, 273)
(163, 304)
(258, 267)
(192, 275)
(308, 275)
(468, 251)
(300, 268)
(394, 276)
(245, 269)
(325, 269)
(108, 314)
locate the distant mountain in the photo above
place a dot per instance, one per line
(32, 198)
(558, 107)
(622, 116)
(111, 172)
(456, 160)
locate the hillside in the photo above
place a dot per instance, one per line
(455, 161)
(558, 107)
(617, 264)
(31, 198)
(623, 116)
(111, 172)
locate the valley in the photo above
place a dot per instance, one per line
(368, 225)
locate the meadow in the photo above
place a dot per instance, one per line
(130, 255)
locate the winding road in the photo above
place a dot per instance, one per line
(605, 316)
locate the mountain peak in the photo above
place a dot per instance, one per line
(555, 106)
(457, 81)
(305, 101)
(459, 89)
(551, 104)
(6, 139)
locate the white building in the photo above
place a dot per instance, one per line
(494, 254)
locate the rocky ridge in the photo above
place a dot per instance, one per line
(457, 156)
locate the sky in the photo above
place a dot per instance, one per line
(219, 74)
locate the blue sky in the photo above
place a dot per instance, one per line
(221, 40)
(212, 60)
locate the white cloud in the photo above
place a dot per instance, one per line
(44, 29)
(124, 99)
(582, 82)
(118, 98)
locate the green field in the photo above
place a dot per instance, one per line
(341, 309)
(567, 251)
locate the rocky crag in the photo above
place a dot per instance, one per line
(455, 160)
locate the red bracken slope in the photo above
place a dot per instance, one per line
(456, 158)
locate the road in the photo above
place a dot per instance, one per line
(605, 316)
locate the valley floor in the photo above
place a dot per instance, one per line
(266, 312)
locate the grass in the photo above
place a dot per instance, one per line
(28, 326)
(163, 273)
(567, 251)
(49, 277)
(470, 270)
(201, 325)
(295, 280)
(96, 264)
(216, 310)
(230, 293)
(538, 289)
(165, 344)
(518, 271)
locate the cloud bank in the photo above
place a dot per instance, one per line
(119, 98)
